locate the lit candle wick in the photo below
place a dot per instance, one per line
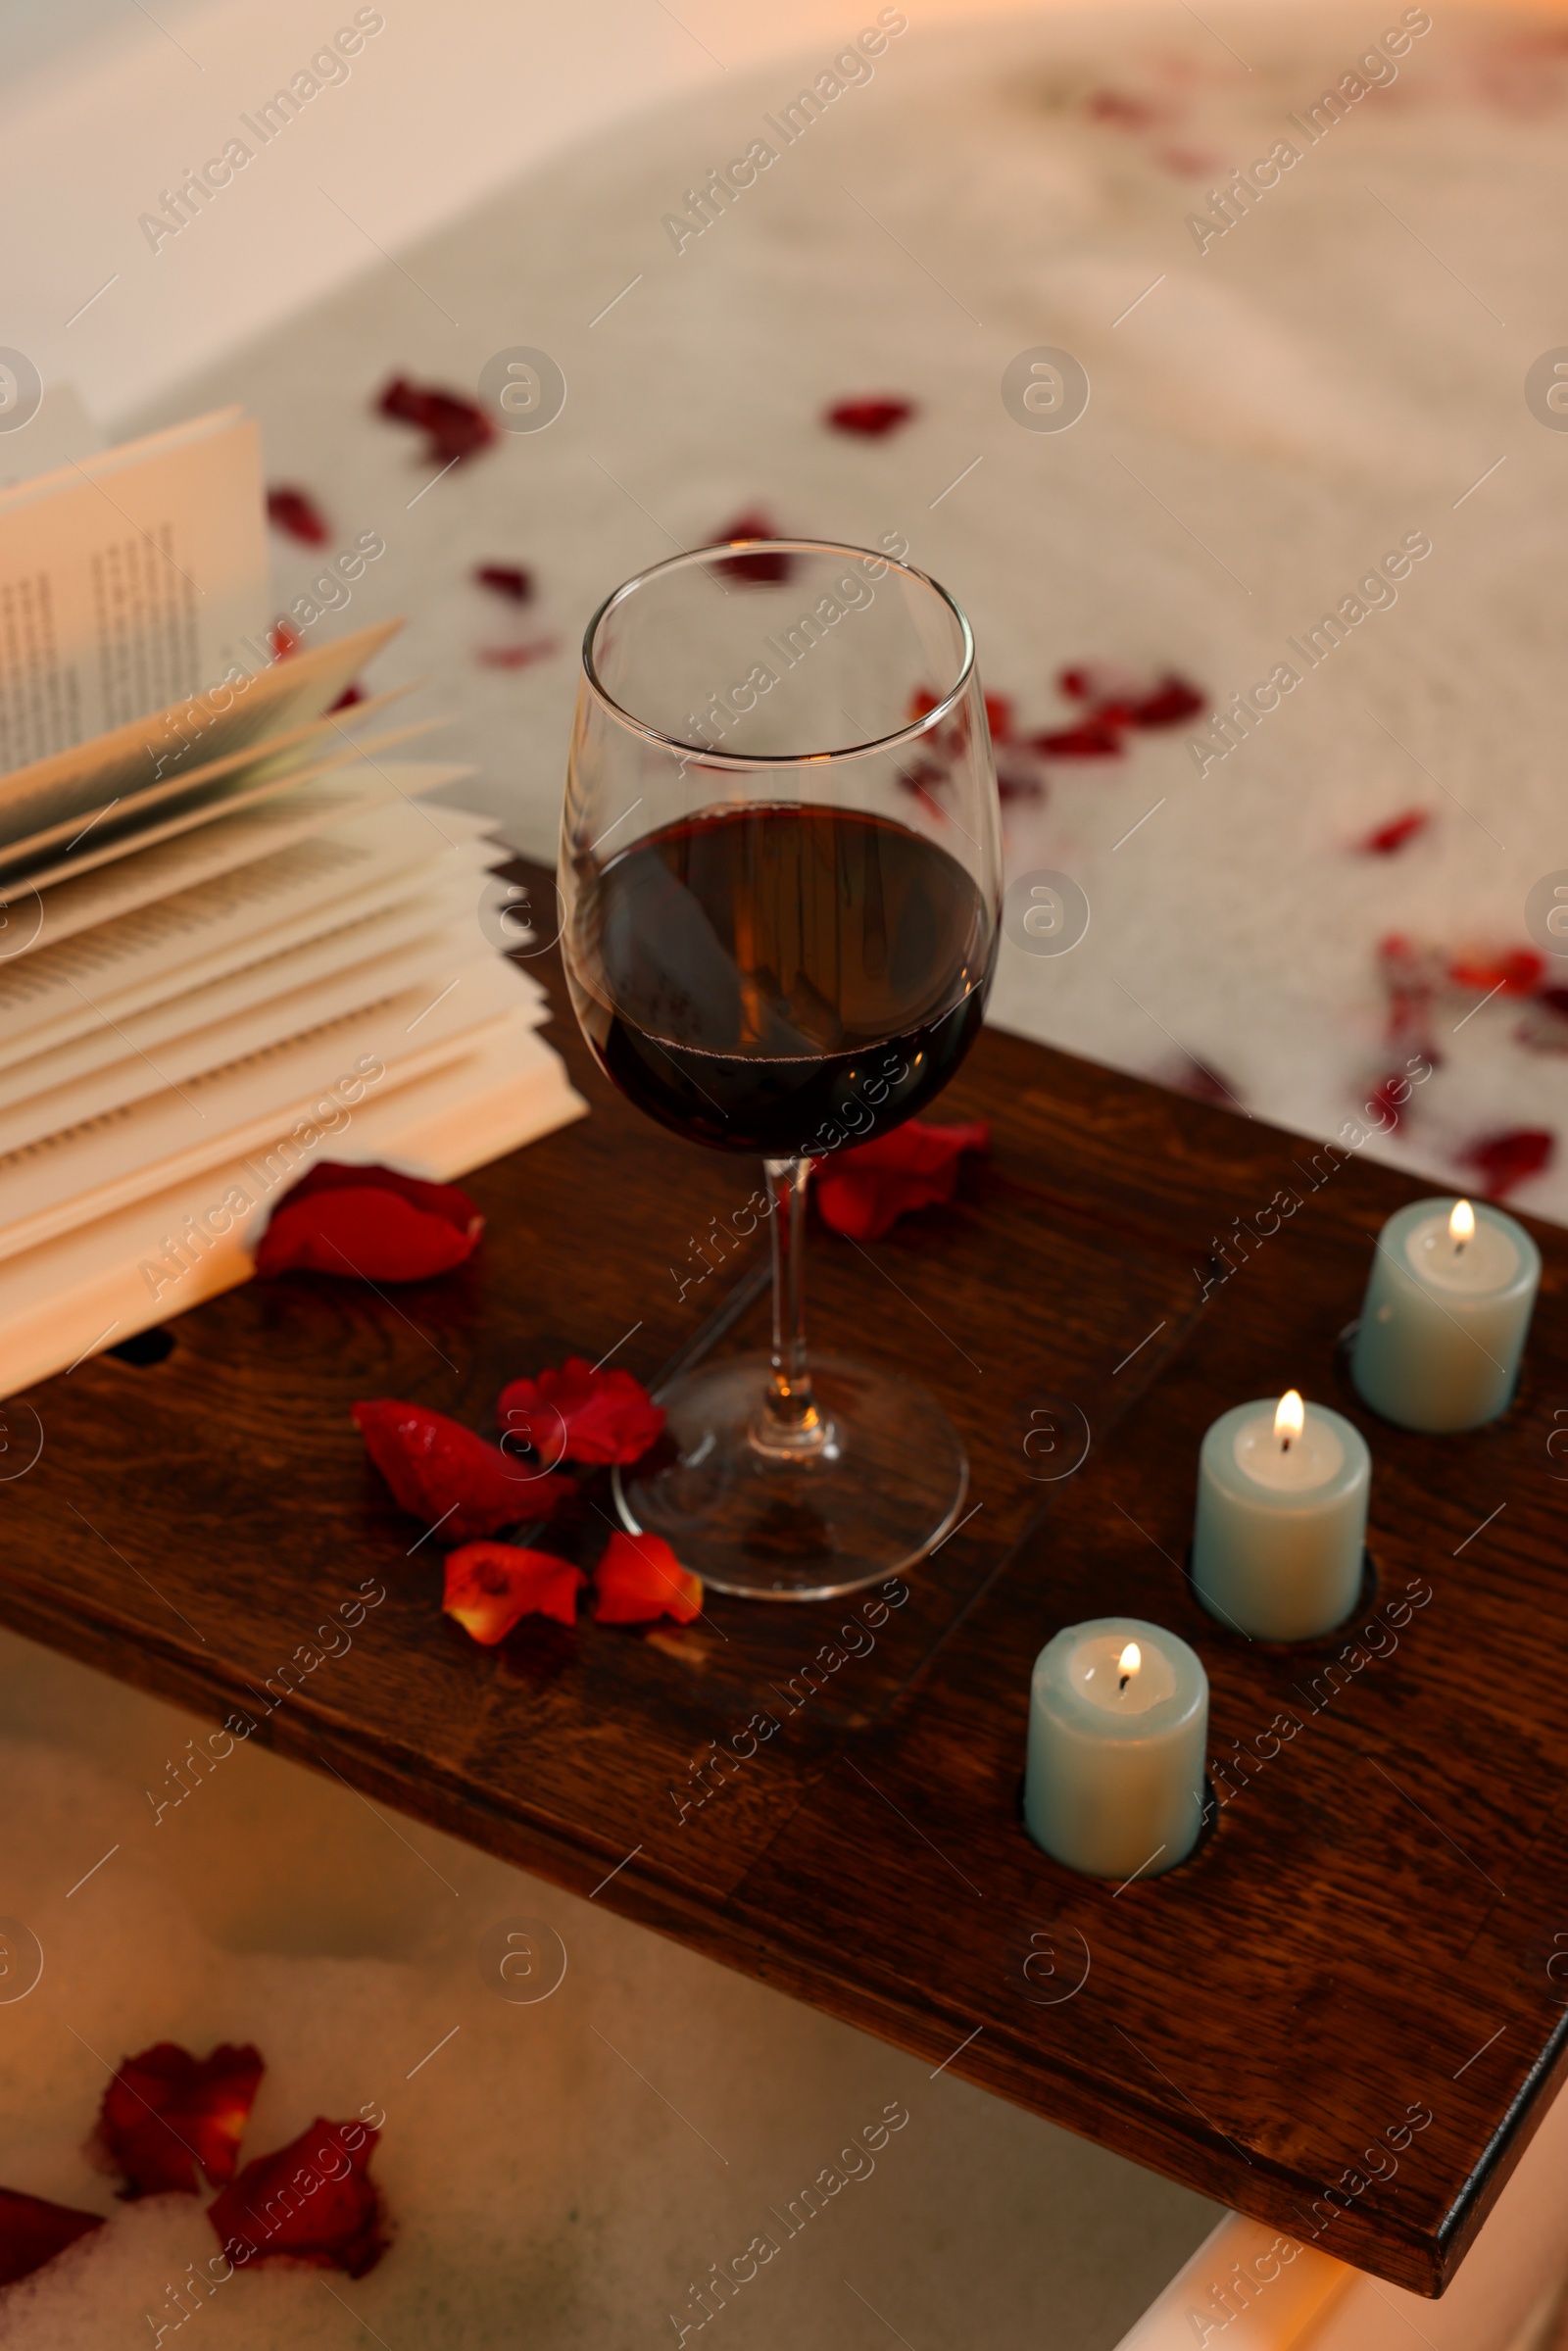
(1127, 1664)
(1290, 1419)
(1461, 1225)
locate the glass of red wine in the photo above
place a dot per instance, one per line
(781, 868)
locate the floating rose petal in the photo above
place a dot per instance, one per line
(491, 1585)
(518, 657)
(505, 579)
(346, 698)
(579, 1414)
(1171, 701)
(282, 640)
(1396, 833)
(297, 513)
(448, 1476)
(761, 570)
(32, 2231)
(1506, 1160)
(1094, 739)
(369, 1222)
(872, 417)
(311, 2201)
(453, 426)
(639, 1578)
(166, 2112)
(862, 1193)
(1506, 971)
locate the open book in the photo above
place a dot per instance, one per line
(235, 935)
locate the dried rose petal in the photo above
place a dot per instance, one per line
(34, 2230)
(1507, 971)
(311, 2201)
(510, 581)
(448, 1476)
(453, 426)
(297, 513)
(491, 1585)
(761, 570)
(862, 1193)
(518, 657)
(1396, 833)
(346, 698)
(370, 1223)
(871, 416)
(1510, 1159)
(639, 1578)
(1165, 704)
(1094, 739)
(579, 1414)
(166, 2111)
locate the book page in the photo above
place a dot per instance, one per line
(127, 581)
(302, 894)
(184, 738)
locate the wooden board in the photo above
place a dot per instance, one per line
(1372, 1933)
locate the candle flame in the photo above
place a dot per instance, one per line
(1127, 1664)
(1461, 1223)
(1290, 1419)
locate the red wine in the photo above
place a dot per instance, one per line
(781, 980)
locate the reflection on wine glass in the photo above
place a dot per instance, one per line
(780, 873)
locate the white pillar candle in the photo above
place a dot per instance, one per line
(1448, 1306)
(1118, 1727)
(1281, 1525)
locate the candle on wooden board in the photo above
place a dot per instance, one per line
(1119, 1727)
(1448, 1306)
(1281, 1523)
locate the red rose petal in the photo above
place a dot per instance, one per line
(1396, 833)
(579, 1414)
(1509, 971)
(491, 1585)
(639, 1578)
(505, 579)
(346, 698)
(871, 416)
(166, 2112)
(1094, 739)
(999, 717)
(1019, 787)
(1388, 1097)
(282, 640)
(760, 569)
(369, 1222)
(311, 2201)
(448, 1476)
(34, 2230)
(453, 425)
(1127, 114)
(518, 657)
(1510, 1159)
(862, 1193)
(1167, 703)
(1098, 682)
(297, 513)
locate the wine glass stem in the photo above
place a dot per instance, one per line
(790, 1421)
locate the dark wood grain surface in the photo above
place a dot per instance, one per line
(1342, 2015)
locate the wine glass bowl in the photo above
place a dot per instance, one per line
(780, 872)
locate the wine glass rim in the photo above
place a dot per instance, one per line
(724, 550)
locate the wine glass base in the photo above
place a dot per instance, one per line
(880, 1495)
